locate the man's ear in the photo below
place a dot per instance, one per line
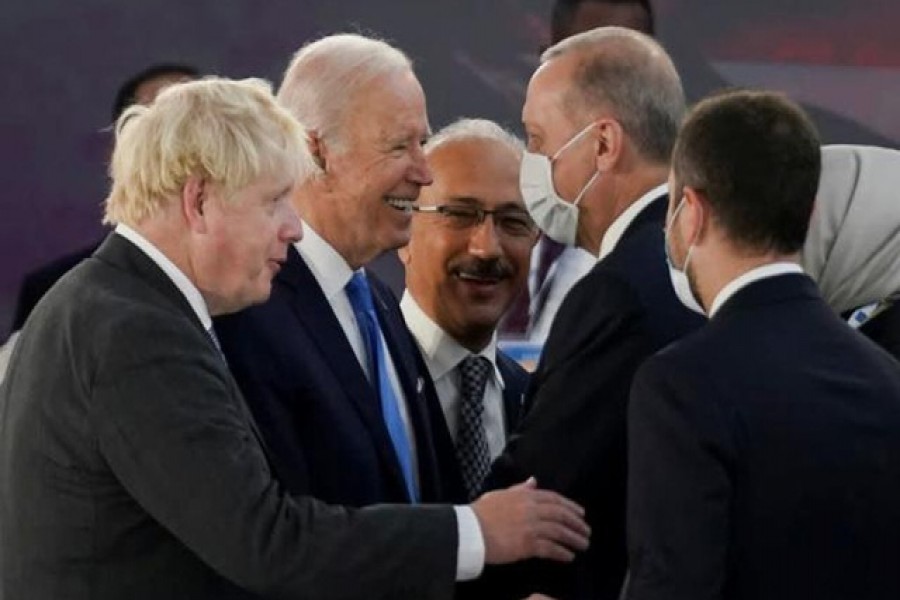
(194, 195)
(316, 148)
(609, 141)
(696, 217)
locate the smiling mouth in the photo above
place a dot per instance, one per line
(472, 278)
(402, 204)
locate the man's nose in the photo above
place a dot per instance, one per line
(484, 239)
(419, 171)
(292, 228)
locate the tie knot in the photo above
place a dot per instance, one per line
(359, 293)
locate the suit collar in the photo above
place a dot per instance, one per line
(742, 281)
(181, 281)
(124, 254)
(770, 290)
(442, 352)
(328, 267)
(623, 222)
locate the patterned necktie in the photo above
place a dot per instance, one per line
(360, 297)
(471, 441)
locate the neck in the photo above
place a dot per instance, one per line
(312, 201)
(625, 188)
(475, 341)
(712, 277)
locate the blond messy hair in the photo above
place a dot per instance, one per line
(228, 132)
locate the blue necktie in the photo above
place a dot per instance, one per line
(360, 297)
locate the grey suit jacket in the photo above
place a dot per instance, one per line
(130, 468)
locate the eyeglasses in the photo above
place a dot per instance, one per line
(513, 222)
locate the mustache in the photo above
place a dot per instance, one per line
(495, 268)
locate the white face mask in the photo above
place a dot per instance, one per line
(557, 218)
(679, 277)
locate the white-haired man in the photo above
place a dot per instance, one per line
(130, 467)
(466, 261)
(327, 366)
(601, 116)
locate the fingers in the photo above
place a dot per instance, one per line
(557, 533)
(548, 497)
(550, 551)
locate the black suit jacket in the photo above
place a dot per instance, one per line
(130, 467)
(572, 435)
(763, 454)
(317, 411)
(515, 381)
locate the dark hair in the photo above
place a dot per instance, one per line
(563, 14)
(125, 97)
(755, 156)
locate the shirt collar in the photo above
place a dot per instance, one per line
(742, 281)
(442, 352)
(618, 227)
(328, 267)
(181, 281)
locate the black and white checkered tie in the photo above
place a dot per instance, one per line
(471, 441)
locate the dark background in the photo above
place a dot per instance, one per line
(63, 62)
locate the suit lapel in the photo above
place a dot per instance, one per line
(312, 310)
(121, 253)
(513, 392)
(413, 386)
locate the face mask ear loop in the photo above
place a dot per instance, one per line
(586, 187)
(572, 141)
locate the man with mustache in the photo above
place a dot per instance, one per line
(330, 371)
(466, 261)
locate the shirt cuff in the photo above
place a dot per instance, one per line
(470, 551)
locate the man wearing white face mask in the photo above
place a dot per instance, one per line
(763, 448)
(601, 114)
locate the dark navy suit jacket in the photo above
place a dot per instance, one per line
(515, 381)
(572, 434)
(764, 457)
(319, 415)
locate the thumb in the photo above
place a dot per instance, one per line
(528, 484)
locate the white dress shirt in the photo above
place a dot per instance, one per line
(570, 266)
(442, 355)
(333, 273)
(738, 283)
(181, 281)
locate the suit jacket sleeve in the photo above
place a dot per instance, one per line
(679, 489)
(171, 425)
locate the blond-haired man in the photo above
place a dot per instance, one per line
(130, 467)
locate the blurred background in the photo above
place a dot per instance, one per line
(64, 62)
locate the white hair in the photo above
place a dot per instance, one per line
(475, 129)
(326, 75)
(630, 74)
